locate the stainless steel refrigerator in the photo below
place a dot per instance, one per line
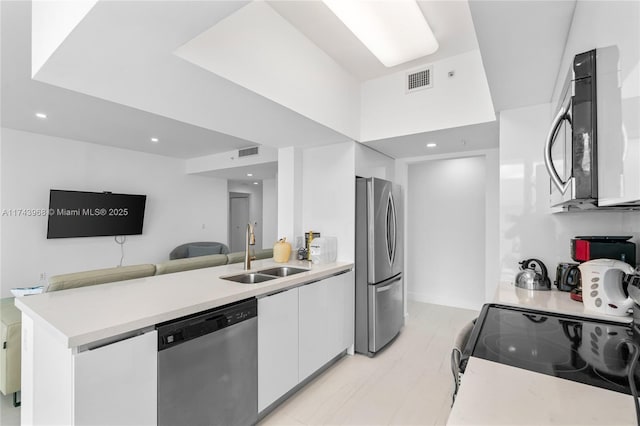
(379, 264)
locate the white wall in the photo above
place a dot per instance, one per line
(388, 111)
(371, 163)
(270, 212)
(180, 208)
(255, 206)
(446, 232)
(290, 194)
(328, 196)
(528, 229)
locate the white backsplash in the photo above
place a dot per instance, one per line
(528, 228)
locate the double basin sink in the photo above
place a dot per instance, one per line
(264, 275)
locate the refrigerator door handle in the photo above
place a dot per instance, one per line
(391, 229)
(385, 288)
(387, 284)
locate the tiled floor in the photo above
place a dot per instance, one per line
(407, 384)
(9, 415)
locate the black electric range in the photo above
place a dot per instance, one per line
(591, 351)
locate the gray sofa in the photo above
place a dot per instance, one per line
(203, 248)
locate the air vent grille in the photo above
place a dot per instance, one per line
(421, 79)
(248, 151)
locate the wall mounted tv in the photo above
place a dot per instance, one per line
(94, 214)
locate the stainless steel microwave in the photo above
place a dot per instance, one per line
(570, 152)
(593, 147)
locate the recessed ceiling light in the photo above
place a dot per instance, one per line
(431, 145)
(249, 174)
(154, 140)
(41, 115)
(394, 31)
(255, 183)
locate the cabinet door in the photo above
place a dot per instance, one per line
(117, 384)
(277, 346)
(313, 328)
(341, 314)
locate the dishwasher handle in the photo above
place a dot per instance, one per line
(173, 333)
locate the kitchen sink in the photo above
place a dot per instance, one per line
(282, 271)
(250, 278)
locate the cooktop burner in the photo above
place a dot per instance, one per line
(584, 350)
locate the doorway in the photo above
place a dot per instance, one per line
(238, 220)
(447, 222)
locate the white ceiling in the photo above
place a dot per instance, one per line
(74, 115)
(460, 139)
(521, 44)
(449, 20)
(259, 171)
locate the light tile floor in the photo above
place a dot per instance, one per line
(409, 383)
(9, 415)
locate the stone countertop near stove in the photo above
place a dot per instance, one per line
(88, 314)
(493, 393)
(549, 301)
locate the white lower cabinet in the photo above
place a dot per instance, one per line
(300, 330)
(116, 384)
(340, 312)
(312, 350)
(277, 346)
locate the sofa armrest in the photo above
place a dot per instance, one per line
(10, 346)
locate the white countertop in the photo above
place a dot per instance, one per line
(549, 301)
(493, 393)
(87, 314)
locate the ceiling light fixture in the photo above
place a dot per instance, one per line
(431, 145)
(249, 174)
(394, 31)
(255, 183)
(41, 115)
(155, 140)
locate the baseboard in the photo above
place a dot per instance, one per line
(462, 304)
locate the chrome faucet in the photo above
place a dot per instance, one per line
(249, 241)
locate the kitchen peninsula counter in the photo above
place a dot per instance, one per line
(88, 314)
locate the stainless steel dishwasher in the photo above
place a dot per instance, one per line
(208, 367)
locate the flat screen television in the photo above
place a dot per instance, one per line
(94, 214)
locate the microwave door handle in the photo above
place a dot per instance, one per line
(562, 115)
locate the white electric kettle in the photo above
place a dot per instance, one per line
(602, 286)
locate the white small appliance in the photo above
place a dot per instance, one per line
(602, 286)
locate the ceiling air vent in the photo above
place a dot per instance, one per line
(248, 151)
(420, 79)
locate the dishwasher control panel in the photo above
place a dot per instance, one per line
(180, 330)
